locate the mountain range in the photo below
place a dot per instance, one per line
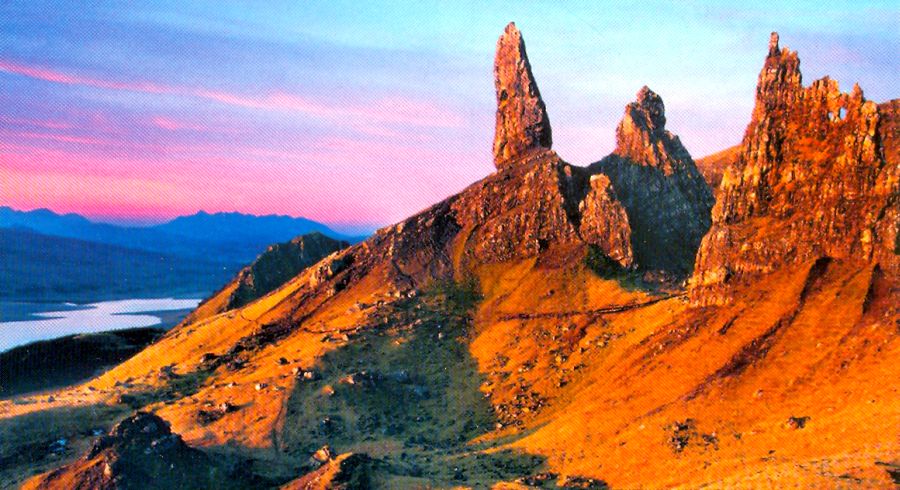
(48, 256)
(617, 325)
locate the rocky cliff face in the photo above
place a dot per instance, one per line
(817, 176)
(522, 122)
(666, 198)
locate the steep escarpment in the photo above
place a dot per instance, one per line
(666, 198)
(817, 176)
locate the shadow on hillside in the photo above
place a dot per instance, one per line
(407, 393)
(630, 280)
(68, 360)
(33, 443)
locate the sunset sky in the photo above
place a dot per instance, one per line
(358, 115)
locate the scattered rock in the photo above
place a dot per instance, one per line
(321, 456)
(538, 479)
(581, 482)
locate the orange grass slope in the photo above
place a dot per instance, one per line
(685, 396)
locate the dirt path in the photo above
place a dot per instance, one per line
(596, 312)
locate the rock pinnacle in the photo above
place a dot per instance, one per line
(522, 122)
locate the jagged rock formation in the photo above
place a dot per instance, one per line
(666, 198)
(642, 136)
(817, 176)
(139, 452)
(522, 122)
(604, 221)
(274, 267)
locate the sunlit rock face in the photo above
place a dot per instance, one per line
(522, 122)
(817, 176)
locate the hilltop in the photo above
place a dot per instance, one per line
(559, 325)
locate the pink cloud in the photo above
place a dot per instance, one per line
(174, 125)
(389, 110)
(84, 140)
(46, 124)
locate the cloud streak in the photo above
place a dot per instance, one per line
(386, 110)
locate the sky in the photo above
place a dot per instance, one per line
(359, 114)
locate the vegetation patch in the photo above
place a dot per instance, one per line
(37, 442)
(406, 392)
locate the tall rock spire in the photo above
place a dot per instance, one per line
(522, 122)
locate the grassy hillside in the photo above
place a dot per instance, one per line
(58, 362)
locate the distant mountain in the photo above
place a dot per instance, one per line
(236, 232)
(233, 239)
(39, 267)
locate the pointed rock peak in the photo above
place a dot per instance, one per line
(522, 122)
(773, 44)
(649, 110)
(776, 52)
(779, 80)
(642, 137)
(780, 62)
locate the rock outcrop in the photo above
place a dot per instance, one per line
(522, 122)
(817, 176)
(271, 269)
(666, 198)
(347, 471)
(604, 221)
(139, 452)
(280, 263)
